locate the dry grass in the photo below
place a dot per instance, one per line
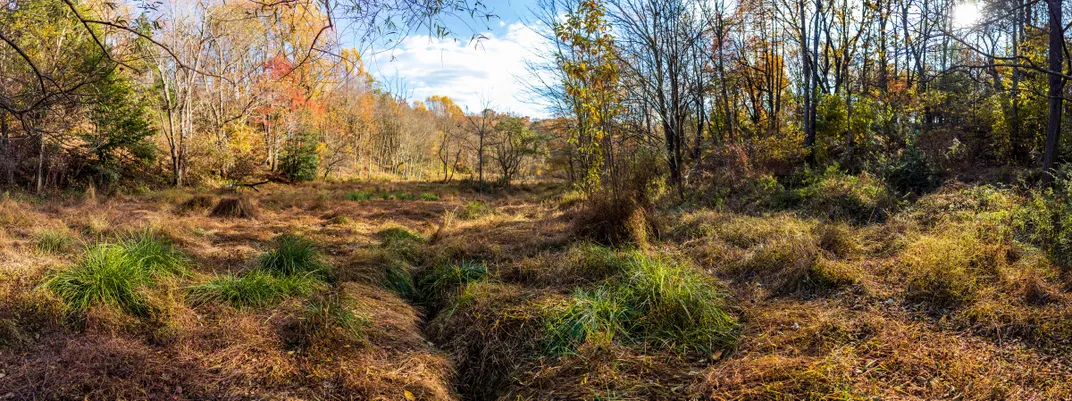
(939, 301)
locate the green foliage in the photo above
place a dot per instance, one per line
(400, 280)
(677, 305)
(359, 196)
(833, 194)
(293, 255)
(53, 241)
(114, 275)
(402, 242)
(475, 209)
(656, 299)
(330, 317)
(122, 133)
(441, 279)
(253, 289)
(589, 317)
(300, 160)
(591, 79)
(155, 255)
(1046, 219)
(428, 196)
(912, 172)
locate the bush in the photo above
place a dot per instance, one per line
(300, 161)
(1046, 220)
(114, 275)
(833, 194)
(912, 172)
(293, 255)
(253, 289)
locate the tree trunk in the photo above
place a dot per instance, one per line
(1056, 92)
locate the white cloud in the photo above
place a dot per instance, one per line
(491, 68)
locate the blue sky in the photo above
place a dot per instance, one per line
(491, 70)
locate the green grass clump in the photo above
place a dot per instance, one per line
(155, 255)
(107, 276)
(400, 280)
(475, 209)
(428, 196)
(404, 196)
(677, 305)
(329, 318)
(359, 196)
(657, 299)
(589, 317)
(836, 195)
(53, 241)
(113, 275)
(293, 255)
(402, 242)
(444, 278)
(253, 289)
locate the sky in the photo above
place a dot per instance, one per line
(491, 70)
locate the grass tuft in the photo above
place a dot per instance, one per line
(53, 241)
(253, 289)
(114, 275)
(475, 209)
(677, 305)
(293, 255)
(658, 299)
(428, 196)
(107, 276)
(359, 196)
(442, 279)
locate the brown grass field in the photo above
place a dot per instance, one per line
(936, 302)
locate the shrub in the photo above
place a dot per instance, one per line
(912, 172)
(1046, 220)
(53, 241)
(299, 161)
(359, 196)
(293, 255)
(253, 289)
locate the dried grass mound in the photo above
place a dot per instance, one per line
(235, 207)
(198, 202)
